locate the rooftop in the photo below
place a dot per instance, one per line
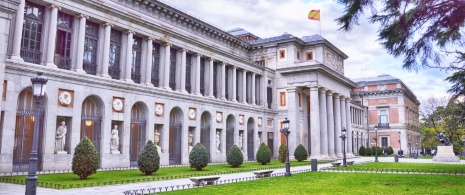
(380, 78)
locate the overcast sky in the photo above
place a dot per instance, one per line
(268, 18)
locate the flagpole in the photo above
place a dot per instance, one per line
(319, 21)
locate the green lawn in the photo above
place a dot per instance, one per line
(340, 183)
(417, 167)
(131, 176)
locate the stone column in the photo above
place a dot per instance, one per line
(329, 111)
(323, 124)
(349, 128)
(253, 88)
(52, 35)
(234, 84)
(244, 86)
(223, 81)
(337, 126)
(183, 70)
(80, 43)
(294, 119)
(106, 50)
(343, 120)
(314, 123)
(128, 63)
(166, 76)
(197, 74)
(210, 78)
(18, 33)
(148, 62)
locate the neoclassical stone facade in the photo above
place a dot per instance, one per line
(122, 72)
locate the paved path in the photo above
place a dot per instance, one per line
(15, 189)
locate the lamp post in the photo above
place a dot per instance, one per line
(463, 153)
(410, 147)
(376, 143)
(38, 89)
(343, 137)
(286, 132)
(400, 145)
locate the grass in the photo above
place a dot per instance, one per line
(161, 174)
(340, 183)
(412, 167)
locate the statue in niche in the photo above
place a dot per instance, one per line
(258, 141)
(156, 140)
(114, 144)
(190, 141)
(218, 141)
(60, 138)
(240, 141)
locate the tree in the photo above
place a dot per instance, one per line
(148, 160)
(300, 153)
(198, 157)
(362, 151)
(263, 154)
(235, 157)
(368, 151)
(422, 31)
(85, 159)
(282, 153)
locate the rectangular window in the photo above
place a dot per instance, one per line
(282, 54)
(136, 59)
(4, 90)
(173, 53)
(282, 98)
(155, 64)
(298, 55)
(63, 41)
(300, 100)
(215, 80)
(384, 142)
(237, 87)
(309, 55)
(383, 119)
(202, 76)
(226, 77)
(188, 72)
(269, 96)
(32, 33)
(258, 80)
(381, 87)
(115, 54)
(90, 48)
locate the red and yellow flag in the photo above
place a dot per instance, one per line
(314, 15)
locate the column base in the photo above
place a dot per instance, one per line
(339, 155)
(149, 84)
(317, 156)
(80, 71)
(325, 157)
(332, 156)
(129, 80)
(210, 96)
(168, 88)
(198, 94)
(16, 58)
(223, 98)
(51, 64)
(350, 155)
(235, 101)
(183, 91)
(106, 76)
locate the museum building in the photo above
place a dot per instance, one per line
(122, 72)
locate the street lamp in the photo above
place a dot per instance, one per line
(38, 90)
(376, 143)
(286, 132)
(410, 147)
(416, 148)
(463, 153)
(343, 137)
(400, 145)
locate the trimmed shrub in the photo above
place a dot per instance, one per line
(300, 153)
(148, 160)
(198, 158)
(380, 151)
(390, 150)
(369, 151)
(85, 159)
(235, 157)
(263, 154)
(282, 153)
(362, 151)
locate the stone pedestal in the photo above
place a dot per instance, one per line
(115, 152)
(62, 152)
(445, 154)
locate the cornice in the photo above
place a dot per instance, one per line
(321, 69)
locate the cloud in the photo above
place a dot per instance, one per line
(268, 18)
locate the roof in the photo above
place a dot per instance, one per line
(379, 79)
(312, 38)
(237, 32)
(271, 39)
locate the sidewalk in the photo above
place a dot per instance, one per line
(15, 189)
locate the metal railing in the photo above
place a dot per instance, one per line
(63, 62)
(31, 56)
(90, 68)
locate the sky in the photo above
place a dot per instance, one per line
(269, 18)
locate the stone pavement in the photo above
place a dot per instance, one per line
(15, 189)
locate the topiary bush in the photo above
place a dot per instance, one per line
(380, 151)
(263, 155)
(148, 160)
(282, 153)
(391, 151)
(85, 159)
(362, 151)
(300, 153)
(369, 151)
(198, 158)
(235, 157)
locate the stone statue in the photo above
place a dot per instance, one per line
(190, 141)
(60, 138)
(218, 141)
(114, 144)
(240, 141)
(156, 140)
(443, 139)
